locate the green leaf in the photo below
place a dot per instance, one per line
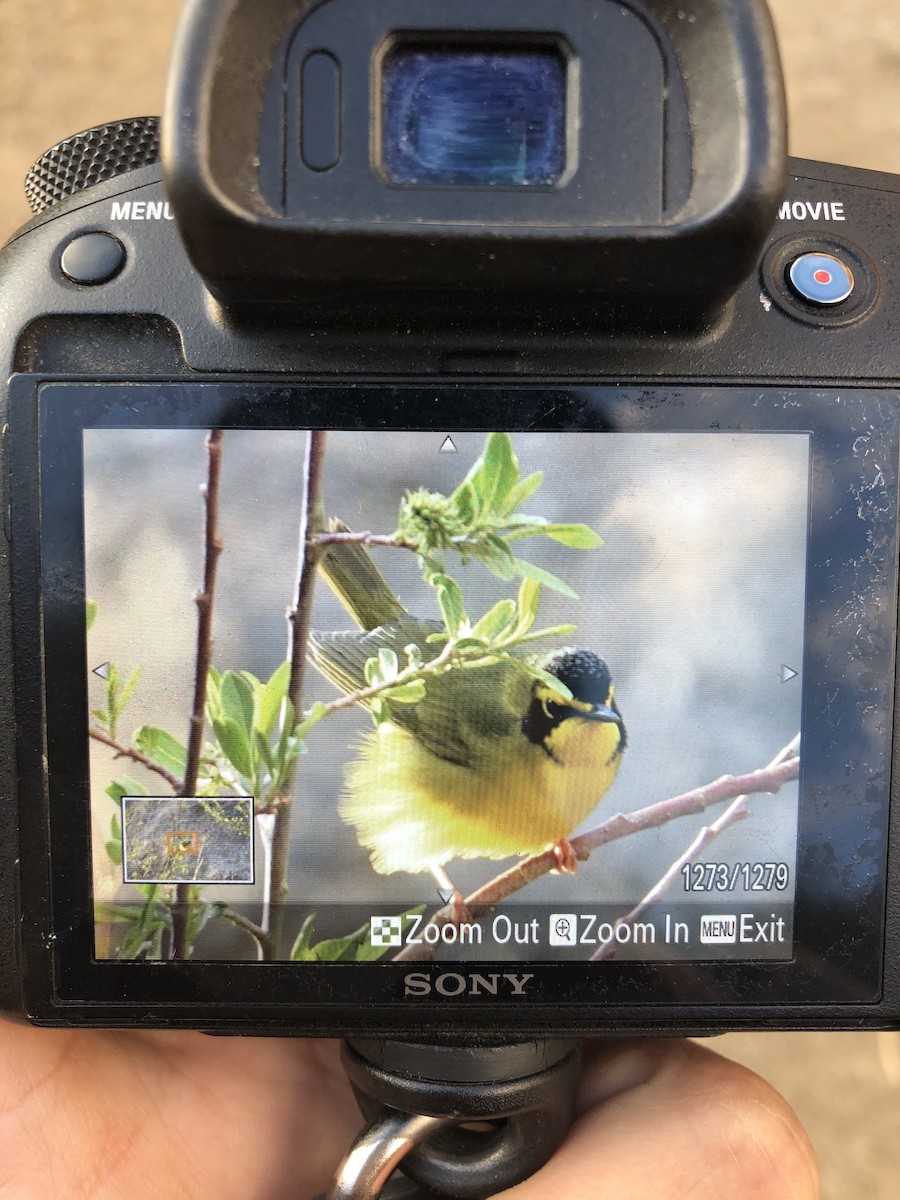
(114, 852)
(497, 556)
(128, 688)
(162, 748)
(112, 687)
(579, 537)
(354, 947)
(236, 696)
(288, 724)
(134, 943)
(472, 643)
(500, 471)
(406, 693)
(450, 599)
(523, 491)
(263, 750)
(235, 745)
(527, 603)
(555, 631)
(342, 949)
(272, 695)
(555, 685)
(388, 664)
(125, 787)
(530, 571)
(465, 501)
(496, 621)
(91, 610)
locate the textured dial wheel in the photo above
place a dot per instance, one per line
(91, 157)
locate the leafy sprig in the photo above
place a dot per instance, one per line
(119, 692)
(353, 947)
(480, 520)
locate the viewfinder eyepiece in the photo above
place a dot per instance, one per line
(472, 116)
(615, 161)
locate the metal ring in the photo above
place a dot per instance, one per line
(379, 1150)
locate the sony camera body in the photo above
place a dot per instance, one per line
(515, 326)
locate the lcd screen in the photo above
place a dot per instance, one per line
(528, 652)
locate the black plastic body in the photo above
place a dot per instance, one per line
(156, 321)
(679, 116)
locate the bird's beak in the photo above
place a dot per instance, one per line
(602, 713)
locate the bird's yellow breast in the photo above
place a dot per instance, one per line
(414, 810)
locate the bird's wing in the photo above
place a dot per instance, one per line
(342, 656)
(465, 712)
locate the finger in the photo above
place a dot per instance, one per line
(669, 1120)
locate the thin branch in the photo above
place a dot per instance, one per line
(736, 811)
(312, 521)
(204, 600)
(392, 541)
(452, 655)
(729, 787)
(135, 755)
(263, 940)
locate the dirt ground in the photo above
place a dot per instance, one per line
(70, 64)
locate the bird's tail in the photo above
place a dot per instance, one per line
(357, 582)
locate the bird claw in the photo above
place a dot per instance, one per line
(566, 858)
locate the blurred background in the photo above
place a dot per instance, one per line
(70, 64)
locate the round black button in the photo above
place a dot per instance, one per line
(93, 258)
(821, 279)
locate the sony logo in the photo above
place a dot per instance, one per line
(453, 984)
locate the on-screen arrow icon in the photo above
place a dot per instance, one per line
(446, 894)
(102, 670)
(448, 446)
(787, 674)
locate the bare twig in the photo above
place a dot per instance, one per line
(392, 541)
(204, 601)
(736, 811)
(312, 521)
(452, 655)
(135, 755)
(263, 940)
(728, 787)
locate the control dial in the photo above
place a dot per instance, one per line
(88, 158)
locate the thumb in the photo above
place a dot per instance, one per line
(666, 1120)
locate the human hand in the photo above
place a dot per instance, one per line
(114, 1115)
(671, 1120)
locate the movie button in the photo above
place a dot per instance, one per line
(92, 258)
(821, 279)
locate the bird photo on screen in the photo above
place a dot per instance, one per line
(490, 763)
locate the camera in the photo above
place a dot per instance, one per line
(450, 472)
